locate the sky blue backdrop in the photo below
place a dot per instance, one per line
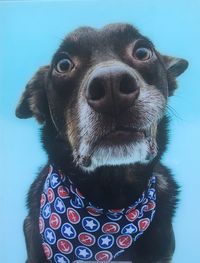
(30, 32)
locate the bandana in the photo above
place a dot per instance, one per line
(74, 230)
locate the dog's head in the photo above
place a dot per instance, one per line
(105, 92)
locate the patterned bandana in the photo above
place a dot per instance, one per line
(74, 230)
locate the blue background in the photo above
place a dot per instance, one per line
(30, 32)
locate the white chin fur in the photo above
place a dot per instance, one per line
(119, 155)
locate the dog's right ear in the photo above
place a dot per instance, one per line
(33, 101)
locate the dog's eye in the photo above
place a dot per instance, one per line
(64, 65)
(142, 53)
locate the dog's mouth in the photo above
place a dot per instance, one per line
(122, 137)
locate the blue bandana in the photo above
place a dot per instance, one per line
(73, 229)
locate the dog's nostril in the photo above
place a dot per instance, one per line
(96, 90)
(127, 85)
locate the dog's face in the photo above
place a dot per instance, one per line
(106, 92)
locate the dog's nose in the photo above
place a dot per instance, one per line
(112, 89)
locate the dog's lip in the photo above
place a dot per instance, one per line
(120, 135)
(131, 130)
(123, 135)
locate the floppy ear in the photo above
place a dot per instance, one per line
(174, 67)
(33, 101)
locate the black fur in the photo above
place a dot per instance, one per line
(107, 186)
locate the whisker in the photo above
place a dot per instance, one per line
(172, 111)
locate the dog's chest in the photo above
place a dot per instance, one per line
(74, 229)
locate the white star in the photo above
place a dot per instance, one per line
(130, 230)
(54, 180)
(59, 205)
(50, 235)
(83, 252)
(68, 231)
(47, 210)
(90, 224)
(105, 241)
(61, 260)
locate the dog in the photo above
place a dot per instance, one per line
(104, 194)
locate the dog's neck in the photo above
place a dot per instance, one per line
(113, 187)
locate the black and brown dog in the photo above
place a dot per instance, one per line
(102, 105)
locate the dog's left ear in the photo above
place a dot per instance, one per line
(174, 67)
(33, 102)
